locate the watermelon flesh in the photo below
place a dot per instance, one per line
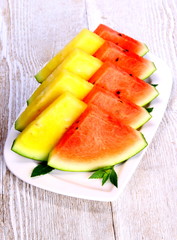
(94, 141)
(86, 40)
(128, 61)
(117, 81)
(119, 107)
(121, 40)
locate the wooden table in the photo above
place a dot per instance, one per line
(31, 32)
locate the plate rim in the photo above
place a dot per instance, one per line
(90, 194)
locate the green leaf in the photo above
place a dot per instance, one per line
(98, 174)
(105, 178)
(106, 173)
(154, 85)
(149, 109)
(113, 177)
(41, 169)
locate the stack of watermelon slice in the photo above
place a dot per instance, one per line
(87, 112)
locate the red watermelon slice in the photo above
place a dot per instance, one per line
(128, 61)
(121, 40)
(119, 107)
(116, 80)
(96, 140)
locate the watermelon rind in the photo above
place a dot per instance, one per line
(19, 150)
(27, 102)
(150, 70)
(144, 50)
(142, 121)
(149, 98)
(69, 165)
(17, 126)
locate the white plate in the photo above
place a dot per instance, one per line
(78, 184)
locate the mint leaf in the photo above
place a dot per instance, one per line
(41, 169)
(105, 178)
(149, 109)
(154, 85)
(106, 173)
(113, 177)
(98, 174)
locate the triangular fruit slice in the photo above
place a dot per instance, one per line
(80, 63)
(118, 107)
(119, 82)
(94, 141)
(41, 135)
(77, 62)
(85, 40)
(65, 81)
(121, 40)
(130, 62)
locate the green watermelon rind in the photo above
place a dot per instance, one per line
(150, 71)
(150, 98)
(143, 121)
(55, 164)
(28, 102)
(39, 80)
(17, 127)
(145, 50)
(24, 155)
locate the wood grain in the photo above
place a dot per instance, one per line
(31, 32)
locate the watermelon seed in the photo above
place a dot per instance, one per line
(76, 128)
(125, 50)
(117, 59)
(131, 75)
(118, 92)
(120, 34)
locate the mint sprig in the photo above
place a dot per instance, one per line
(41, 169)
(105, 174)
(113, 177)
(149, 109)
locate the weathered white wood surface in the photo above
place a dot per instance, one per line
(31, 32)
